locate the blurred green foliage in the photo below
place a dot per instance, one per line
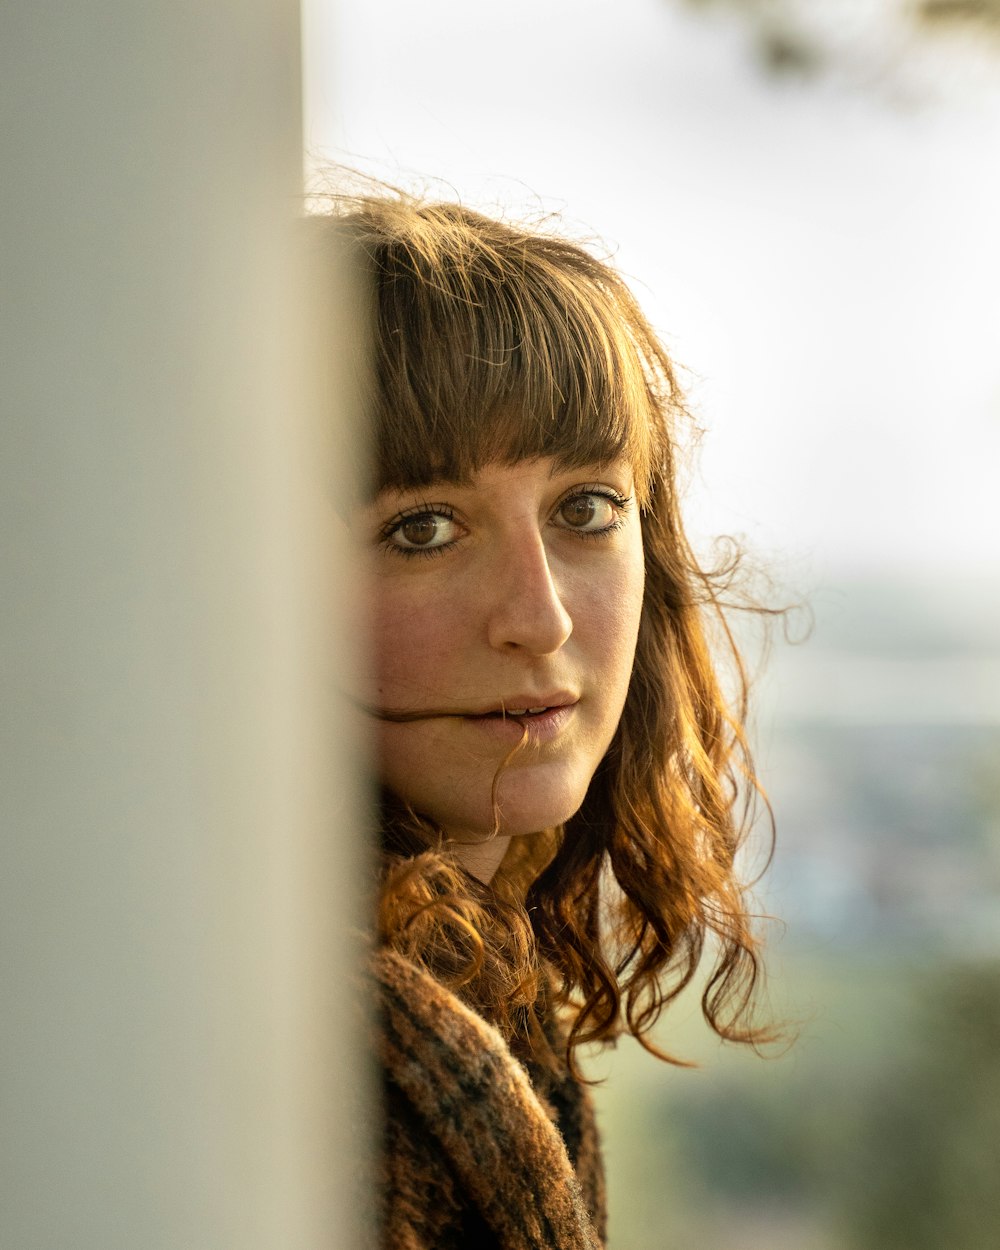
(877, 1128)
(927, 1170)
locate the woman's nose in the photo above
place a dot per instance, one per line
(527, 612)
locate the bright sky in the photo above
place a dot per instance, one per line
(825, 263)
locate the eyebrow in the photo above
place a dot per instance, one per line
(560, 464)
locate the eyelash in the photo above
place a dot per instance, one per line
(620, 502)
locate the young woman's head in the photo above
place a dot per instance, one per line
(505, 607)
(539, 632)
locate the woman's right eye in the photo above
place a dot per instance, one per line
(422, 532)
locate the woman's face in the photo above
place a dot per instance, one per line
(512, 600)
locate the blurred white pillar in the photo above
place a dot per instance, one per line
(177, 862)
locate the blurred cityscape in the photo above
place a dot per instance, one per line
(884, 768)
(876, 1126)
(806, 195)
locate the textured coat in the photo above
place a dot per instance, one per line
(478, 1151)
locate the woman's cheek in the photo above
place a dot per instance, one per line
(413, 641)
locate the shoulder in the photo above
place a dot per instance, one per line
(461, 1113)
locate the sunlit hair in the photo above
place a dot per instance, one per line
(496, 343)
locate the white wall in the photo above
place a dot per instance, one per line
(177, 859)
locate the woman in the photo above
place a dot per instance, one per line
(559, 769)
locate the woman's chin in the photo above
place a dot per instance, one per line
(516, 815)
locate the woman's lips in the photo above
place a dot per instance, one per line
(542, 726)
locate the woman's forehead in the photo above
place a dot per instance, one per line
(467, 473)
(508, 468)
(457, 450)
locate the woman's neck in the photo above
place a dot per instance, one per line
(480, 859)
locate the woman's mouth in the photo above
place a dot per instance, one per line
(543, 721)
(517, 711)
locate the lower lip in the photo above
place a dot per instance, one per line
(541, 728)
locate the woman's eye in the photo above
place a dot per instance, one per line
(590, 512)
(423, 531)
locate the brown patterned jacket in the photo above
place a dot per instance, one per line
(479, 1152)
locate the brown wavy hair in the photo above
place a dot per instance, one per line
(494, 342)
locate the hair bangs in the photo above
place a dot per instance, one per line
(494, 350)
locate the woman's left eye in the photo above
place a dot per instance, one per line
(591, 512)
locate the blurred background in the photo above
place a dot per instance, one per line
(805, 195)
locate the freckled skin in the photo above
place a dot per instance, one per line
(526, 583)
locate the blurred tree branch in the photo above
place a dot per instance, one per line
(983, 12)
(801, 37)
